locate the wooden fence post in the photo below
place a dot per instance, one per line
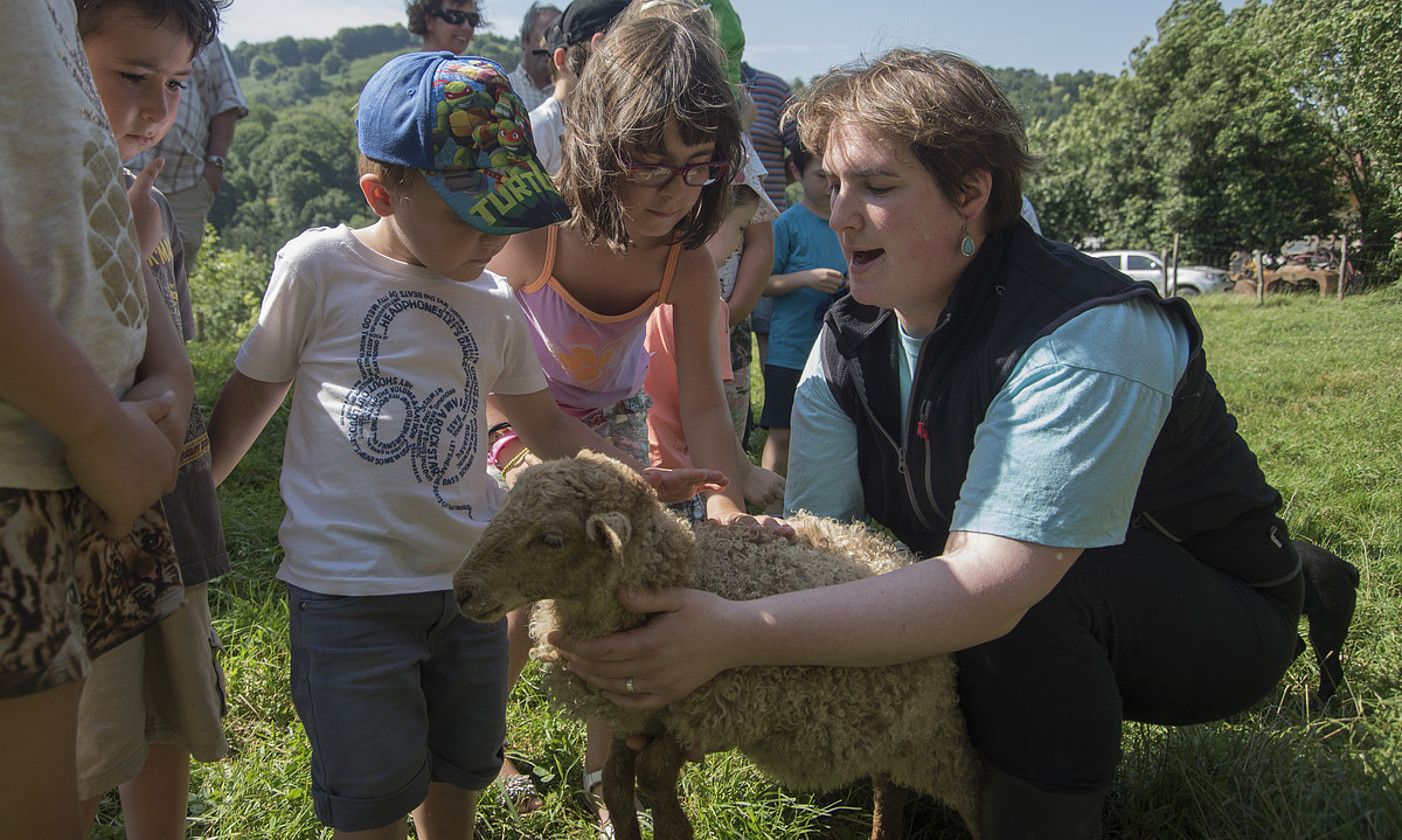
(1174, 287)
(1260, 278)
(1343, 266)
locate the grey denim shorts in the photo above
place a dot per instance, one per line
(395, 692)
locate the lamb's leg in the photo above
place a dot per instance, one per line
(888, 809)
(619, 769)
(659, 766)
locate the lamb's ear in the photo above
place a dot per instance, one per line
(612, 529)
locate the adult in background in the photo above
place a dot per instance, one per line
(196, 148)
(568, 42)
(1100, 543)
(444, 24)
(532, 79)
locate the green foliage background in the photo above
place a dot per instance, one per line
(1238, 130)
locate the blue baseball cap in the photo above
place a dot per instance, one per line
(456, 119)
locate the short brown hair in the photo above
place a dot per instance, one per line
(945, 108)
(394, 176)
(418, 10)
(647, 72)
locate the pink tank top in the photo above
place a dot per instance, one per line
(591, 361)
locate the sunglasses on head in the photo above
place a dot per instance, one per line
(660, 174)
(457, 17)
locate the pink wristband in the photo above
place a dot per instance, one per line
(494, 456)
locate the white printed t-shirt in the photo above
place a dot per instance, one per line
(384, 468)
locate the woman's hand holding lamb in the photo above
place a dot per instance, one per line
(681, 647)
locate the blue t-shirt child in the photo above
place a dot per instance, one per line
(802, 240)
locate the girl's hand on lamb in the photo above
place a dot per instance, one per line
(763, 488)
(763, 522)
(677, 651)
(681, 484)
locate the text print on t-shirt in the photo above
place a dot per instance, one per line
(386, 419)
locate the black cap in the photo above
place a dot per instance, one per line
(580, 21)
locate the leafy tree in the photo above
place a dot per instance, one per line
(332, 64)
(262, 67)
(1343, 60)
(312, 49)
(364, 41)
(226, 289)
(1039, 98)
(286, 51)
(1197, 137)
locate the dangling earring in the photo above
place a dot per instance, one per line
(966, 245)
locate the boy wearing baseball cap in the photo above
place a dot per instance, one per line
(394, 335)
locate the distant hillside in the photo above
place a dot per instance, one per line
(292, 71)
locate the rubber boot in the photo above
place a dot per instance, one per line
(1013, 809)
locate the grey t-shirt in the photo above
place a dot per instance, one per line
(192, 508)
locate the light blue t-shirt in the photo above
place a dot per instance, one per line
(802, 240)
(1060, 453)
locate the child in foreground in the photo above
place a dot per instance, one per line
(92, 411)
(395, 335)
(648, 152)
(155, 700)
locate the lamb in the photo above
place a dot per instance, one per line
(575, 531)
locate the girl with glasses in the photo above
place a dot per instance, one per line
(651, 140)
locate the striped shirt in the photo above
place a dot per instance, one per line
(771, 94)
(213, 90)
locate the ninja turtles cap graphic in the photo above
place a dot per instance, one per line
(457, 119)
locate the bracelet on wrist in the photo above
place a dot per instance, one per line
(516, 461)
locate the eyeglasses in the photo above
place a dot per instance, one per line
(457, 17)
(693, 175)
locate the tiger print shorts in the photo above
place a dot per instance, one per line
(68, 593)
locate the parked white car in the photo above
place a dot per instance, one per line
(1146, 265)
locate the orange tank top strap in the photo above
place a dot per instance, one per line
(547, 269)
(673, 255)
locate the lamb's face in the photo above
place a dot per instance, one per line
(555, 537)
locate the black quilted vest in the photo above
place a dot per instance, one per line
(1200, 479)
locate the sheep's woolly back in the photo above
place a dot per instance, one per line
(809, 727)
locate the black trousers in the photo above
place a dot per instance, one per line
(1141, 631)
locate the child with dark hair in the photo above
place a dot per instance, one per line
(155, 700)
(809, 268)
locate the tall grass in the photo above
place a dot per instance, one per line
(1317, 387)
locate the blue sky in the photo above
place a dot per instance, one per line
(805, 37)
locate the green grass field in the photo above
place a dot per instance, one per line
(1317, 387)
